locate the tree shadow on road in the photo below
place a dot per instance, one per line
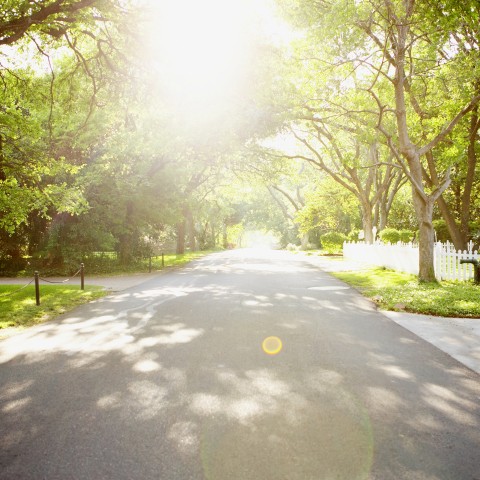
(170, 381)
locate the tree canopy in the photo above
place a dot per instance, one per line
(131, 126)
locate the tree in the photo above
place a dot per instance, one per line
(32, 177)
(40, 145)
(404, 42)
(285, 180)
(355, 166)
(459, 26)
(54, 18)
(404, 63)
(329, 208)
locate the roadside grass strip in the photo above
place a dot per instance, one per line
(182, 259)
(397, 291)
(109, 265)
(18, 309)
(169, 260)
(17, 304)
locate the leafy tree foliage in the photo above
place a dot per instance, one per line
(96, 155)
(392, 66)
(51, 18)
(332, 242)
(329, 208)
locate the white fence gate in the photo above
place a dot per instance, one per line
(404, 258)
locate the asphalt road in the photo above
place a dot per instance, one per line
(169, 380)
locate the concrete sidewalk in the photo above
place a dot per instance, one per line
(458, 337)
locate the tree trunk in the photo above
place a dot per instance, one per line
(424, 211)
(376, 215)
(181, 238)
(224, 235)
(214, 236)
(367, 221)
(471, 167)
(304, 241)
(3, 175)
(125, 248)
(445, 210)
(423, 205)
(190, 229)
(453, 229)
(383, 217)
(422, 202)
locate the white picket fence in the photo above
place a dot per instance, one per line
(447, 262)
(403, 257)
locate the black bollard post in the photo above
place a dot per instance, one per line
(37, 289)
(82, 276)
(163, 260)
(150, 264)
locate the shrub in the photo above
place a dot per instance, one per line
(440, 227)
(332, 242)
(353, 235)
(390, 235)
(406, 236)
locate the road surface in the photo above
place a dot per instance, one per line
(172, 380)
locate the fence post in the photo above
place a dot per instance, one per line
(82, 276)
(37, 289)
(163, 260)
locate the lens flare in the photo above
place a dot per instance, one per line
(272, 345)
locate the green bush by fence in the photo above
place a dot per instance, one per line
(332, 242)
(390, 235)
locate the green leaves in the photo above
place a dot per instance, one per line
(51, 18)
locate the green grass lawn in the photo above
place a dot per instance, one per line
(399, 291)
(109, 265)
(18, 309)
(169, 260)
(174, 260)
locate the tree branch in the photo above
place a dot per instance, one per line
(447, 130)
(14, 29)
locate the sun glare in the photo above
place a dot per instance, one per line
(201, 45)
(202, 51)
